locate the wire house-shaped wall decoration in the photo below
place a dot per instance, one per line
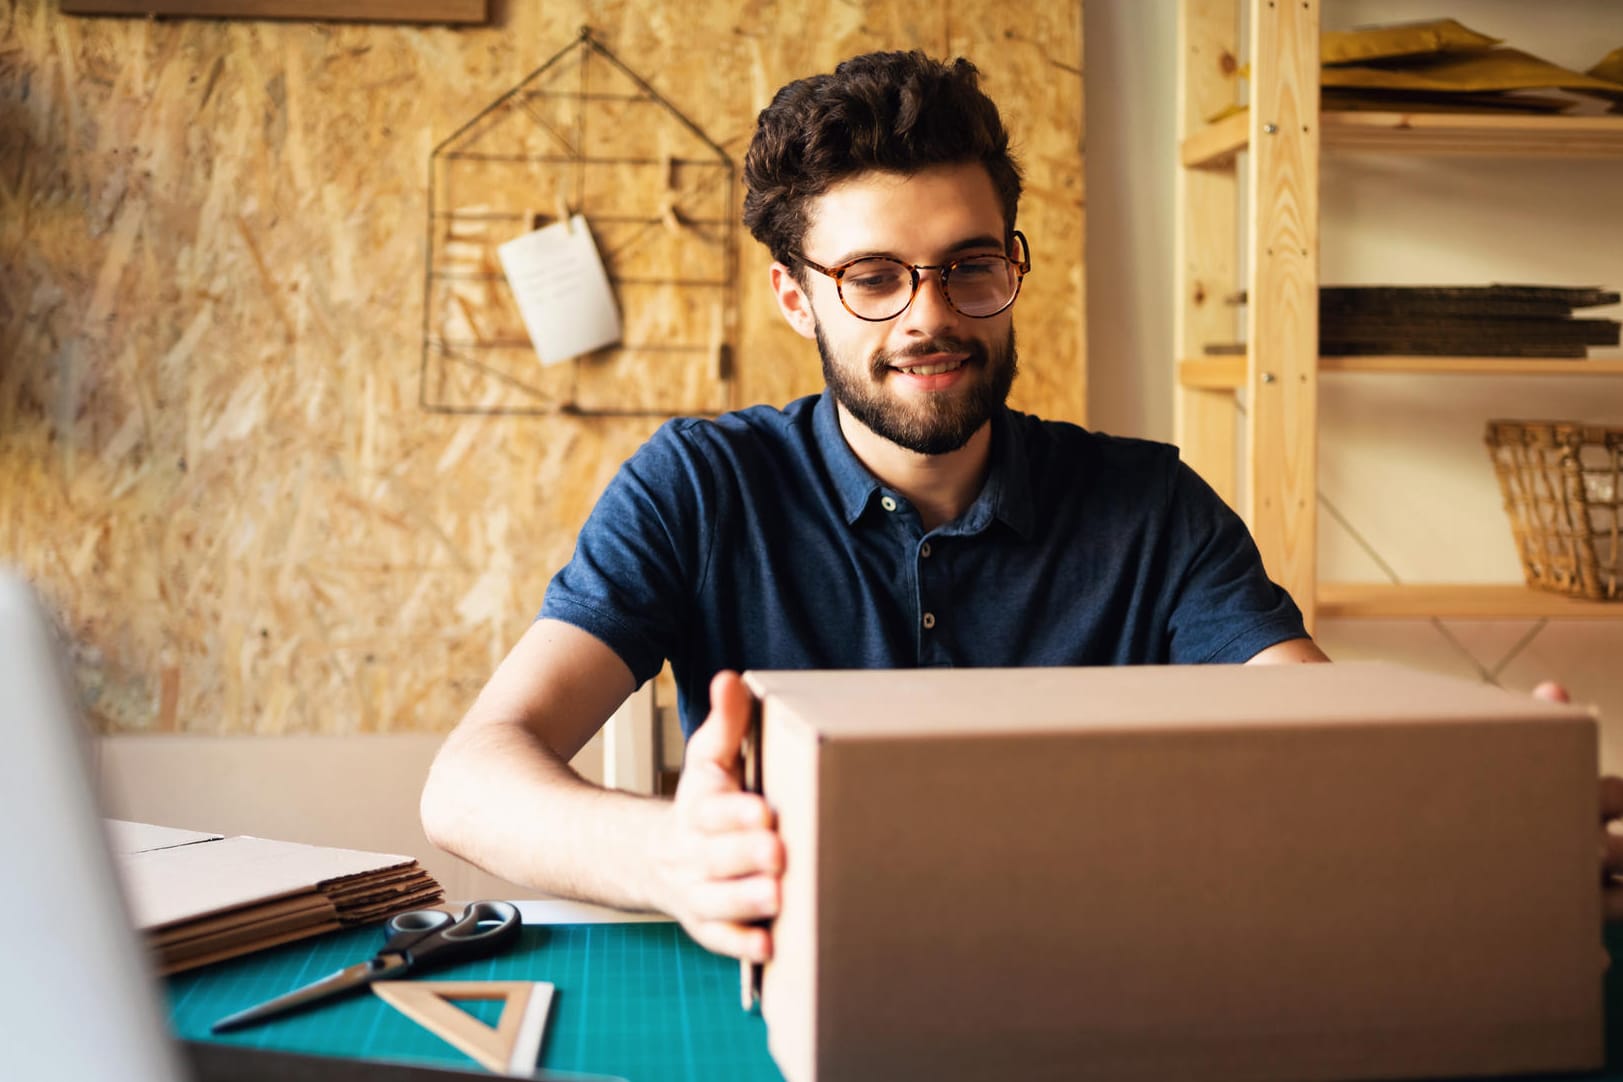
(582, 134)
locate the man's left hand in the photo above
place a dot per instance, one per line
(1611, 811)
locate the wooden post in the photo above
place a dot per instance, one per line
(1282, 324)
(1207, 239)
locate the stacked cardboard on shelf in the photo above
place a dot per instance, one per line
(1442, 66)
(201, 898)
(1467, 321)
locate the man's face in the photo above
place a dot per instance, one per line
(930, 378)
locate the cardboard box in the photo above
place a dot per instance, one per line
(1294, 872)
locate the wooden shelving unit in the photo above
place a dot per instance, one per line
(1215, 145)
(1273, 448)
(1229, 373)
(1464, 601)
(1474, 366)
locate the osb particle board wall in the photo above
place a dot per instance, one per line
(216, 460)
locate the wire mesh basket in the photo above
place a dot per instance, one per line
(1563, 489)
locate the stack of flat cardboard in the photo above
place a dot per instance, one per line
(1471, 321)
(1441, 66)
(200, 897)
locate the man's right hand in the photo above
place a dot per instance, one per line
(719, 859)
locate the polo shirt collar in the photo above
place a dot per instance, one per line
(1009, 481)
(1006, 494)
(852, 481)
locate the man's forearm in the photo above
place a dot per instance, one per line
(500, 799)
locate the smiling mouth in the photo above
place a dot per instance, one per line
(931, 369)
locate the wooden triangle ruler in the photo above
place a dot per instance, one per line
(509, 1047)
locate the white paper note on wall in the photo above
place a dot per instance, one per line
(562, 291)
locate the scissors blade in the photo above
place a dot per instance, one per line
(350, 977)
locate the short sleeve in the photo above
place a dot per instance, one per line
(1224, 606)
(642, 555)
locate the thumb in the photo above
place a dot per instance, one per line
(1551, 692)
(713, 749)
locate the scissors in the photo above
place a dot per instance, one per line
(417, 940)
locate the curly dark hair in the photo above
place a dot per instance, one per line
(898, 112)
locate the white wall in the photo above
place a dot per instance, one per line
(1129, 79)
(355, 792)
(1401, 458)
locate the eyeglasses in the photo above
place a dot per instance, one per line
(877, 288)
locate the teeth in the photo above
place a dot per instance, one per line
(934, 369)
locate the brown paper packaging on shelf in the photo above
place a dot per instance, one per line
(1400, 40)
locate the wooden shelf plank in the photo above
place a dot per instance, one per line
(1212, 373)
(1228, 373)
(1476, 133)
(1475, 366)
(1462, 601)
(1489, 134)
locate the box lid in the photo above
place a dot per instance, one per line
(901, 703)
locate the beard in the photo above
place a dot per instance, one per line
(939, 423)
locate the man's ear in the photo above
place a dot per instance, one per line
(793, 301)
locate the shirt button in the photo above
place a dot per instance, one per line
(929, 620)
(887, 503)
(924, 550)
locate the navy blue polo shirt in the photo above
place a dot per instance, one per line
(758, 541)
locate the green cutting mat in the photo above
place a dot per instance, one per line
(638, 1001)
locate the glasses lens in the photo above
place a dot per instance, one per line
(876, 288)
(982, 285)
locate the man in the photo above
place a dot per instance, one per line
(904, 518)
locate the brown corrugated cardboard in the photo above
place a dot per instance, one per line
(204, 897)
(1300, 872)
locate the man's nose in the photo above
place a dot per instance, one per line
(930, 310)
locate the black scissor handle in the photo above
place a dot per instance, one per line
(484, 928)
(406, 929)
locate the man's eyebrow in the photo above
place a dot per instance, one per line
(985, 240)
